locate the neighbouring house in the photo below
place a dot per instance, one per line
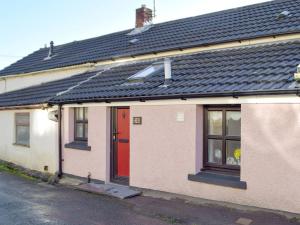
(206, 106)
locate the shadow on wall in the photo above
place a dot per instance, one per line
(42, 126)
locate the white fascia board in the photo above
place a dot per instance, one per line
(260, 99)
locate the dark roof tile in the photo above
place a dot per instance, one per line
(235, 24)
(268, 67)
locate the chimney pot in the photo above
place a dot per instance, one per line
(143, 16)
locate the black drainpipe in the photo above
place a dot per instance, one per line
(59, 143)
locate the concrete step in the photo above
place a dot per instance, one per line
(70, 181)
(114, 190)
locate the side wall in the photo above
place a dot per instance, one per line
(18, 82)
(82, 162)
(43, 150)
(164, 151)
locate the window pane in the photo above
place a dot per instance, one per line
(233, 123)
(147, 71)
(85, 113)
(79, 113)
(79, 130)
(215, 122)
(22, 135)
(233, 152)
(86, 131)
(215, 151)
(22, 119)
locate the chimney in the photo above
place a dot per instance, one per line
(168, 71)
(51, 49)
(143, 16)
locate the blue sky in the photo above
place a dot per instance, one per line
(28, 25)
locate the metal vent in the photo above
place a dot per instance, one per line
(133, 41)
(140, 30)
(283, 14)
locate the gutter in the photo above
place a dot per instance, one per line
(235, 94)
(41, 106)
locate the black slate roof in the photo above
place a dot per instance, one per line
(235, 24)
(42, 93)
(252, 70)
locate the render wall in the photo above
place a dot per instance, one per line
(166, 147)
(43, 150)
(96, 161)
(11, 83)
(164, 152)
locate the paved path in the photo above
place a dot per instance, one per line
(25, 202)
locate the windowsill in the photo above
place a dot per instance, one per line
(218, 179)
(21, 145)
(79, 145)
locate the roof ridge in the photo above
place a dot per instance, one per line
(175, 20)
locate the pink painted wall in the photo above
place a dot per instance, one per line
(164, 151)
(271, 154)
(80, 162)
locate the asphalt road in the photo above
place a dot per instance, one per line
(25, 202)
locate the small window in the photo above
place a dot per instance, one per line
(81, 124)
(139, 76)
(22, 121)
(222, 144)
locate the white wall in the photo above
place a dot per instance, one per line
(43, 150)
(11, 83)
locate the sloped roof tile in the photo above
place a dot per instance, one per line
(229, 25)
(244, 70)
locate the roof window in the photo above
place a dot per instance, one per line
(150, 70)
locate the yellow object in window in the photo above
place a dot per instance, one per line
(237, 153)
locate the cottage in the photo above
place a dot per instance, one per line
(206, 106)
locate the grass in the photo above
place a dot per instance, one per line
(14, 171)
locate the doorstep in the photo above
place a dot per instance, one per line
(114, 190)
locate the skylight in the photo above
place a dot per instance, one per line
(150, 70)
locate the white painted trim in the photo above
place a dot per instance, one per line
(267, 99)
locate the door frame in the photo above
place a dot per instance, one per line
(114, 148)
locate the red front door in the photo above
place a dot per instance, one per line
(121, 142)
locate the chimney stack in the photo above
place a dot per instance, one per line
(143, 16)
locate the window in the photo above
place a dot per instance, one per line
(81, 124)
(222, 143)
(139, 76)
(22, 121)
